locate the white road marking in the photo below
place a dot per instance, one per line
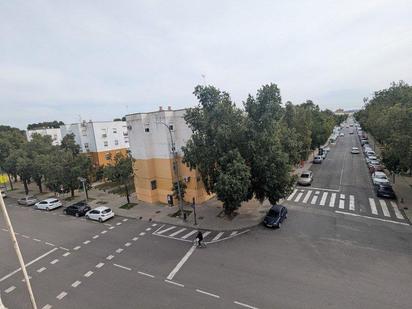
(24, 280)
(181, 262)
(292, 195)
(111, 228)
(332, 200)
(5, 230)
(341, 172)
(218, 236)
(367, 217)
(142, 234)
(119, 250)
(373, 206)
(221, 239)
(148, 229)
(342, 196)
(145, 274)
(95, 236)
(351, 203)
(35, 239)
(25, 236)
(189, 234)
(63, 248)
(99, 265)
(66, 254)
(306, 198)
(341, 204)
(16, 233)
(177, 232)
(28, 264)
(154, 224)
(135, 238)
(323, 199)
(61, 295)
(109, 257)
(107, 224)
(103, 232)
(244, 305)
(47, 307)
(122, 267)
(54, 261)
(165, 230)
(49, 244)
(86, 242)
(208, 232)
(40, 270)
(325, 189)
(118, 223)
(175, 283)
(207, 293)
(232, 234)
(298, 196)
(88, 274)
(77, 248)
(396, 210)
(76, 283)
(124, 220)
(384, 208)
(314, 199)
(10, 289)
(127, 244)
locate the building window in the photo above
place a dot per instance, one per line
(107, 156)
(147, 129)
(116, 142)
(170, 127)
(153, 184)
(114, 130)
(86, 145)
(84, 132)
(106, 144)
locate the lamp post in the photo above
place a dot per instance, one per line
(83, 180)
(175, 168)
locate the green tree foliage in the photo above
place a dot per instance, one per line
(45, 125)
(388, 117)
(175, 189)
(120, 172)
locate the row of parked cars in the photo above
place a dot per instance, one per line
(381, 183)
(79, 209)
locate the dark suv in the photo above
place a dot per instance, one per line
(275, 216)
(78, 209)
(385, 190)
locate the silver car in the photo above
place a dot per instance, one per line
(306, 178)
(27, 200)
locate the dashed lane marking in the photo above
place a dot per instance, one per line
(122, 267)
(49, 244)
(396, 210)
(35, 239)
(63, 248)
(118, 223)
(88, 274)
(124, 220)
(244, 305)
(142, 233)
(77, 248)
(119, 250)
(10, 289)
(175, 283)
(373, 206)
(54, 261)
(61, 295)
(86, 242)
(135, 238)
(154, 224)
(148, 229)
(109, 257)
(76, 283)
(145, 274)
(111, 228)
(66, 254)
(100, 265)
(47, 307)
(207, 293)
(103, 232)
(95, 236)
(40, 270)
(25, 236)
(127, 244)
(384, 208)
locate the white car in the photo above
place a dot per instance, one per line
(100, 214)
(342, 134)
(379, 178)
(306, 178)
(355, 150)
(48, 204)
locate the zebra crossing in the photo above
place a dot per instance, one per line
(336, 200)
(188, 234)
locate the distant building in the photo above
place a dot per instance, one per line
(100, 140)
(54, 133)
(340, 111)
(150, 146)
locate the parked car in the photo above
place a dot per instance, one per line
(371, 158)
(384, 190)
(317, 159)
(275, 216)
(351, 132)
(342, 134)
(379, 178)
(78, 209)
(3, 193)
(375, 168)
(100, 214)
(369, 152)
(305, 178)
(355, 150)
(27, 200)
(48, 204)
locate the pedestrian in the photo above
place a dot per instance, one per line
(199, 238)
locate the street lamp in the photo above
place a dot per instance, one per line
(175, 168)
(83, 181)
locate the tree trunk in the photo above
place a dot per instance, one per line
(11, 182)
(15, 178)
(72, 192)
(26, 187)
(39, 184)
(127, 193)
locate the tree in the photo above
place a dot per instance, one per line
(175, 189)
(120, 172)
(45, 125)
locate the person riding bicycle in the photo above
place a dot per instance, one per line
(199, 238)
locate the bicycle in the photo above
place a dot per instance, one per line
(199, 245)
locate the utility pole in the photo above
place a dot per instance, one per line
(18, 253)
(83, 180)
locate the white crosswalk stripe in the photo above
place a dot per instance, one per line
(218, 236)
(292, 195)
(306, 198)
(341, 204)
(351, 203)
(396, 210)
(332, 200)
(323, 200)
(177, 232)
(189, 234)
(166, 230)
(314, 199)
(384, 208)
(373, 206)
(298, 196)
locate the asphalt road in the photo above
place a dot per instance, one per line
(320, 258)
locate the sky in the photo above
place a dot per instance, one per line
(98, 60)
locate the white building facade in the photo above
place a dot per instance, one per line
(54, 133)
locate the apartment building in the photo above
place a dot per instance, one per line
(150, 145)
(100, 140)
(54, 133)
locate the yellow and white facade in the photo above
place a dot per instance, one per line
(150, 146)
(99, 140)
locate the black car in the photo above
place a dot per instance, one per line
(275, 216)
(78, 209)
(384, 190)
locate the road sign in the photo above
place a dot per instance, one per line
(3, 178)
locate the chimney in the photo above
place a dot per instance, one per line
(160, 108)
(169, 108)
